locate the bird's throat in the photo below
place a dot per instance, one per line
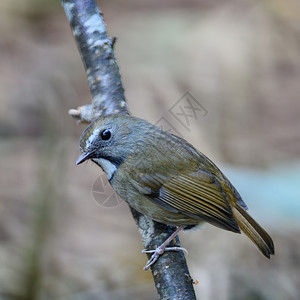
(108, 167)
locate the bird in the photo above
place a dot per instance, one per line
(165, 178)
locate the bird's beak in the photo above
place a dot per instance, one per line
(84, 156)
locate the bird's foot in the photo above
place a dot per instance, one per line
(158, 252)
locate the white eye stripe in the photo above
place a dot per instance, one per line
(92, 138)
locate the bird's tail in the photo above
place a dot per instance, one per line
(254, 231)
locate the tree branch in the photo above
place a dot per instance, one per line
(170, 272)
(96, 50)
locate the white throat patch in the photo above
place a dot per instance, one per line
(108, 167)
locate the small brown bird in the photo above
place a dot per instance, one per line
(165, 178)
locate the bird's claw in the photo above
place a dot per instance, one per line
(158, 252)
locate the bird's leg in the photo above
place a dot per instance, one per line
(162, 248)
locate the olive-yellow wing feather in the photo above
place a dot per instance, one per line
(198, 195)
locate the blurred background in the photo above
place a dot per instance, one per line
(63, 233)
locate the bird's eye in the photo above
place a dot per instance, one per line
(105, 134)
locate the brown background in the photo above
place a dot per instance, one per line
(61, 236)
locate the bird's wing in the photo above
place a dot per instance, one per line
(198, 195)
